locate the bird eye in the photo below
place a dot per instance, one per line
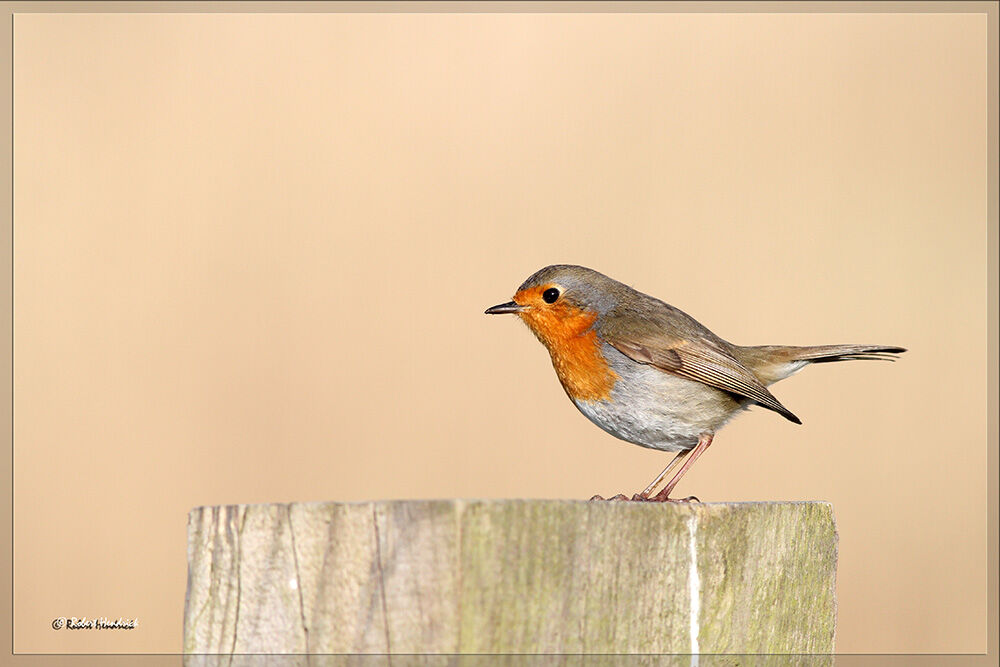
(550, 295)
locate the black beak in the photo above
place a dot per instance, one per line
(504, 308)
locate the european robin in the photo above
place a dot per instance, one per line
(649, 373)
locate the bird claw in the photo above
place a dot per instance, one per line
(639, 498)
(620, 496)
(689, 499)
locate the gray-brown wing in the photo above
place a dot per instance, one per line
(703, 362)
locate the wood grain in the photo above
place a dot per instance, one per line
(510, 576)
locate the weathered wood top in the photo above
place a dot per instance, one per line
(511, 576)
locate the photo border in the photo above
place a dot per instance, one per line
(10, 9)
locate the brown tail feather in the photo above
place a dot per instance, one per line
(775, 362)
(823, 353)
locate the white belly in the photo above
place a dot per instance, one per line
(656, 409)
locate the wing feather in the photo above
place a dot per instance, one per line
(702, 361)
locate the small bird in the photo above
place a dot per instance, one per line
(650, 374)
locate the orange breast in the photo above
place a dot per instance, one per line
(574, 348)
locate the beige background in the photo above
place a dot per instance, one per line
(252, 253)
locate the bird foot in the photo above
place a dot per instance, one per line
(664, 499)
(639, 498)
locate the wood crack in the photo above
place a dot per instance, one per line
(239, 578)
(298, 580)
(381, 583)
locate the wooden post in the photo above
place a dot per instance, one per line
(511, 576)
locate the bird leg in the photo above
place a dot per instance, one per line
(645, 494)
(652, 485)
(664, 495)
